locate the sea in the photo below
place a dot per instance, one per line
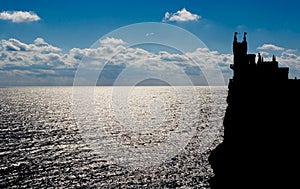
(109, 137)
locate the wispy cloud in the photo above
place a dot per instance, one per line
(182, 15)
(270, 47)
(19, 16)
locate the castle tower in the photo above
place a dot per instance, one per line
(240, 54)
(239, 50)
(243, 62)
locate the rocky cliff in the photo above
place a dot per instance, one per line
(261, 140)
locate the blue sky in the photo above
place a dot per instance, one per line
(78, 24)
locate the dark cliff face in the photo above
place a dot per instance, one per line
(261, 141)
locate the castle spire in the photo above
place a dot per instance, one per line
(259, 58)
(235, 37)
(245, 33)
(274, 58)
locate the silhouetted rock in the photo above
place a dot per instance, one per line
(261, 142)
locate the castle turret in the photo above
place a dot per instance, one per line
(241, 60)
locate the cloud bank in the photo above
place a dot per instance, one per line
(40, 63)
(19, 16)
(181, 16)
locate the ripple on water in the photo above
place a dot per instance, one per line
(41, 146)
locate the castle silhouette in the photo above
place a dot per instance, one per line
(244, 66)
(261, 142)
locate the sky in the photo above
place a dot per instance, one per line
(43, 42)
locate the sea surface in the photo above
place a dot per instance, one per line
(120, 137)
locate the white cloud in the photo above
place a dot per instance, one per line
(165, 56)
(264, 53)
(40, 42)
(181, 16)
(19, 16)
(291, 50)
(270, 47)
(38, 45)
(14, 45)
(42, 59)
(16, 54)
(108, 41)
(288, 55)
